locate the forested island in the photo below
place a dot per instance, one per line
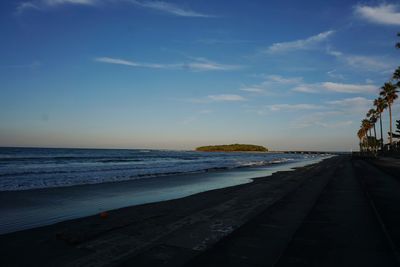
(232, 148)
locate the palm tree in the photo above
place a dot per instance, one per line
(372, 115)
(396, 76)
(366, 125)
(389, 94)
(380, 105)
(361, 134)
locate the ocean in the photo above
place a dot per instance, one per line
(42, 186)
(33, 168)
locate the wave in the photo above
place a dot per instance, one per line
(61, 178)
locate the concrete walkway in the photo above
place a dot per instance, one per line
(330, 222)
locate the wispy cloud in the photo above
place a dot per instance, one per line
(335, 75)
(216, 98)
(118, 61)
(307, 88)
(26, 6)
(161, 6)
(43, 4)
(226, 97)
(349, 88)
(271, 82)
(252, 90)
(282, 80)
(351, 105)
(198, 64)
(170, 8)
(302, 44)
(346, 88)
(202, 64)
(325, 119)
(315, 121)
(290, 107)
(366, 63)
(388, 14)
(210, 41)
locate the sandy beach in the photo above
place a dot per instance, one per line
(198, 227)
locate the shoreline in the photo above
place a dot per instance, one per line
(52, 205)
(196, 221)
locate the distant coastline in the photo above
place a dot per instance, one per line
(232, 148)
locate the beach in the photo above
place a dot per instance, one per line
(44, 186)
(191, 229)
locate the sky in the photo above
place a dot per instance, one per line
(289, 75)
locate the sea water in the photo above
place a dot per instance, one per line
(42, 186)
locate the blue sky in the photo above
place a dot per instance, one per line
(178, 74)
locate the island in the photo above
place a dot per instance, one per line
(232, 148)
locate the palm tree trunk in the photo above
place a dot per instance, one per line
(368, 139)
(375, 146)
(380, 121)
(390, 116)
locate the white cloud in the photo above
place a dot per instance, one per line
(335, 124)
(360, 62)
(336, 87)
(351, 101)
(169, 8)
(210, 41)
(367, 62)
(335, 75)
(73, 2)
(216, 98)
(161, 6)
(252, 90)
(349, 88)
(303, 44)
(199, 64)
(282, 80)
(288, 107)
(43, 4)
(369, 81)
(226, 97)
(352, 105)
(202, 64)
(306, 88)
(325, 119)
(388, 14)
(26, 6)
(271, 82)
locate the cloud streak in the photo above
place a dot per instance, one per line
(360, 62)
(44, 4)
(226, 97)
(302, 44)
(346, 88)
(271, 82)
(161, 6)
(217, 98)
(349, 88)
(197, 65)
(170, 9)
(387, 14)
(291, 107)
(351, 105)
